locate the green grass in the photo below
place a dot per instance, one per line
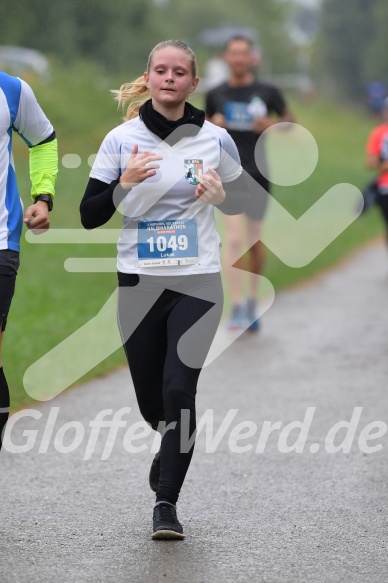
(51, 303)
(340, 134)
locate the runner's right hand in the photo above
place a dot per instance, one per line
(140, 167)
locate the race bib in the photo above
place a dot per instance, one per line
(237, 116)
(167, 243)
(240, 115)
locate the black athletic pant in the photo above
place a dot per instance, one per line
(4, 404)
(165, 355)
(382, 201)
(9, 264)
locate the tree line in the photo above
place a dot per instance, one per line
(119, 34)
(352, 47)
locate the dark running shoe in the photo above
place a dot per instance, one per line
(166, 523)
(155, 473)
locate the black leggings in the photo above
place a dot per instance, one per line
(382, 201)
(154, 313)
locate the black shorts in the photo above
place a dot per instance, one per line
(259, 200)
(9, 264)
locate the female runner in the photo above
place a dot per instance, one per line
(170, 293)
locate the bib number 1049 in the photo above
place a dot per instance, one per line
(162, 243)
(169, 242)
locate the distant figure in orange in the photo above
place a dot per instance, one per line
(377, 159)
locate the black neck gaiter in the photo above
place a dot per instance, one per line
(190, 124)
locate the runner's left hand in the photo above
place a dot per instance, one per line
(210, 189)
(37, 217)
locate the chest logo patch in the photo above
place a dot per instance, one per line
(193, 170)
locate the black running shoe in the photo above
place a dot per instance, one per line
(155, 473)
(166, 523)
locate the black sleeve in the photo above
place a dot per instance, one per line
(99, 202)
(210, 105)
(277, 102)
(238, 195)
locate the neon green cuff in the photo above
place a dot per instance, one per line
(44, 168)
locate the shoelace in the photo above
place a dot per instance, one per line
(165, 513)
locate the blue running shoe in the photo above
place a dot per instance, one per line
(251, 315)
(236, 319)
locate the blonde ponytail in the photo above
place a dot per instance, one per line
(131, 97)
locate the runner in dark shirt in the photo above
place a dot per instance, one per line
(246, 107)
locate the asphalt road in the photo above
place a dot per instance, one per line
(267, 516)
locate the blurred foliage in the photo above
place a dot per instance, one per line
(353, 45)
(119, 35)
